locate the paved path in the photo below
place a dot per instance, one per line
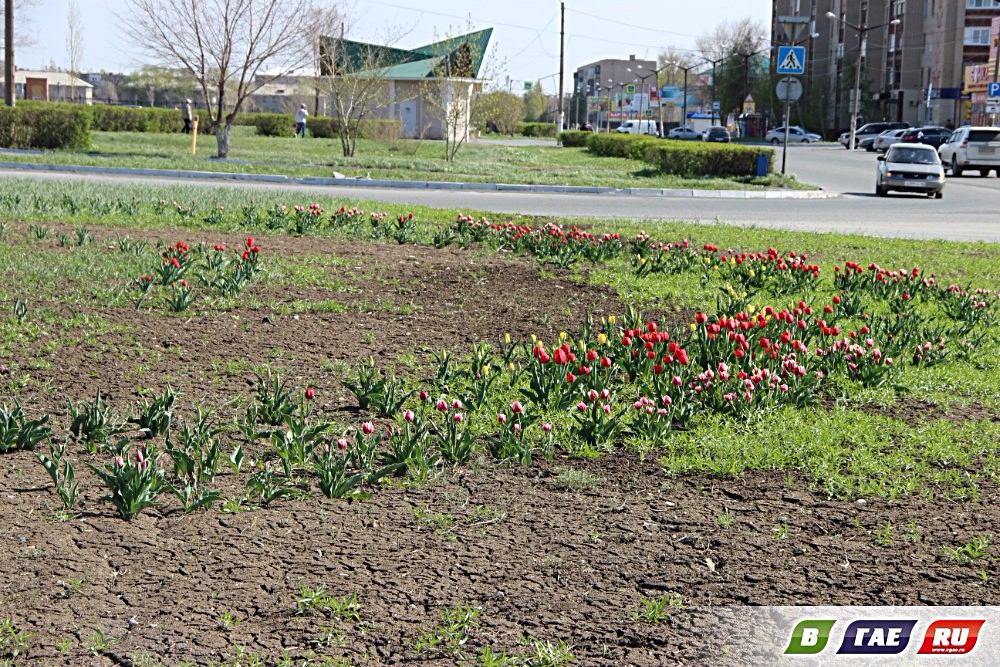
(968, 212)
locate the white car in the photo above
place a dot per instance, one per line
(975, 148)
(910, 168)
(795, 135)
(886, 139)
(685, 133)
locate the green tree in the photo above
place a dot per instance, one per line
(534, 103)
(501, 110)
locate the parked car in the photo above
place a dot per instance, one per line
(795, 135)
(717, 134)
(910, 168)
(685, 133)
(886, 139)
(932, 135)
(639, 127)
(972, 148)
(869, 130)
(868, 143)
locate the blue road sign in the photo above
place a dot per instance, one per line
(993, 89)
(791, 60)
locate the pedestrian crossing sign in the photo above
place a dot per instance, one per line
(791, 60)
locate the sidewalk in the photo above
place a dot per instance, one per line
(422, 185)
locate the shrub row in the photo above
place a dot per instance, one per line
(574, 138)
(537, 129)
(145, 119)
(48, 127)
(694, 159)
(282, 125)
(621, 145)
(690, 159)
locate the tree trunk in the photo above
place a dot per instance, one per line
(222, 139)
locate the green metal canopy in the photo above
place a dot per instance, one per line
(460, 56)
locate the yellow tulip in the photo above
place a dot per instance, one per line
(562, 335)
(506, 339)
(602, 339)
(611, 319)
(693, 327)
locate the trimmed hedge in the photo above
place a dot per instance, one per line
(574, 138)
(274, 124)
(49, 126)
(372, 128)
(621, 145)
(694, 160)
(690, 159)
(321, 127)
(145, 119)
(537, 129)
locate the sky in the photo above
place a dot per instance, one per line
(525, 32)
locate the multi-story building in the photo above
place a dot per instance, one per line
(922, 61)
(605, 81)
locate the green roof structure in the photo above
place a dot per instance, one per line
(460, 57)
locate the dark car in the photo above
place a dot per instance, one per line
(932, 135)
(718, 134)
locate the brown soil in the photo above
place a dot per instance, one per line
(540, 562)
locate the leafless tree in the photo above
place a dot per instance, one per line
(355, 75)
(230, 47)
(455, 92)
(743, 36)
(672, 62)
(74, 45)
(24, 32)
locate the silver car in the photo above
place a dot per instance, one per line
(976, 148)
(886, 139)
(910, 168)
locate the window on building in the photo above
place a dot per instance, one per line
(977, 37)
(982, 4)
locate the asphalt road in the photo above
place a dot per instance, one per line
(969, 211)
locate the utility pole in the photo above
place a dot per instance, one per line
(562, 60)
(8, 35)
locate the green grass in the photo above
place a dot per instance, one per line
(396, 160)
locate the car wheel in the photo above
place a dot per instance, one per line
(880, 191)
(984, 173)
(956, 171)
(938, 195)
(804, 141)
(871, 148)
(776, 141)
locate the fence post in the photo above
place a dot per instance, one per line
(194, 134)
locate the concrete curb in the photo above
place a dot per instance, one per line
(423, 185)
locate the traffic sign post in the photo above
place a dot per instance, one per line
(791, 60)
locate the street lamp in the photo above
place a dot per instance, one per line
(684, 102)
(861, 30)
(714, 63)
(643, 85)
(611, 101)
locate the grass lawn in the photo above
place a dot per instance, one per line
(411, 160)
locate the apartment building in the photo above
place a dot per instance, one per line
(607, 80)
(922, 61)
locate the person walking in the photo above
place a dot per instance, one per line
(300, 121)
(186, 116)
